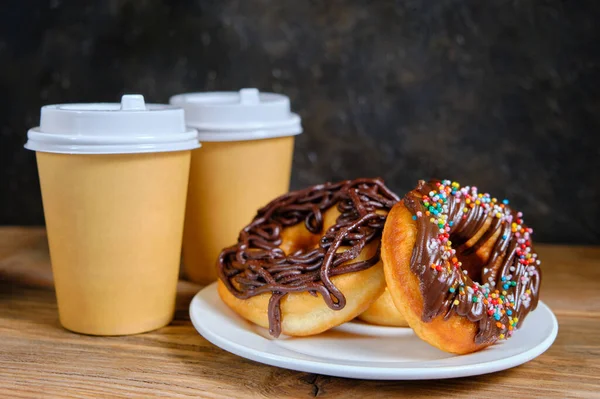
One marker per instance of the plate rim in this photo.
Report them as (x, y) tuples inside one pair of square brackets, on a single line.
[(337, 369)]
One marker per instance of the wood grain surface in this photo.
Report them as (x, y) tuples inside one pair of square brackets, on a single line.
[(38, 358)]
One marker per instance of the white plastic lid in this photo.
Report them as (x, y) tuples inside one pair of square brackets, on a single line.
[(236, 116), (112, 128)]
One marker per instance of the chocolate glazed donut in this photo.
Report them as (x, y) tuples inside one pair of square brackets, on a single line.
[(257, 264), (472, 261)]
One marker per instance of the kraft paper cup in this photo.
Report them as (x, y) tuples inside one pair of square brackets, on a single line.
[(114, 205), (245, 162), (114, 237), (229, 182)]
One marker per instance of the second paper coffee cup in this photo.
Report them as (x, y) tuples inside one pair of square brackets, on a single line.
[(114, 182), (246, 161)]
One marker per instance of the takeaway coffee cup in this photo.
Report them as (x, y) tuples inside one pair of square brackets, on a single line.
[(245, 162), (114, 182)]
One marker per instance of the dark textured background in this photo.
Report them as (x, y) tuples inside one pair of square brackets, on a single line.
[(499, 94)]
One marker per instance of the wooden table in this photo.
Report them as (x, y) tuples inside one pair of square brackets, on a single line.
[(38, 358)]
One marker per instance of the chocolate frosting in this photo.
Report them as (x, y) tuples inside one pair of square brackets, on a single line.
[(497, 290), (256, 264)]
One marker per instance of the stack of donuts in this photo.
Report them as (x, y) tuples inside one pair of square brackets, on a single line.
[(455, 265)]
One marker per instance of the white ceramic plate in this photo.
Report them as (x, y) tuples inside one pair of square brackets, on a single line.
[(359, 350)]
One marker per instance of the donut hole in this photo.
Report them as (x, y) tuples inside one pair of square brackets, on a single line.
[(297, 238), (475, 253), (471, 263)]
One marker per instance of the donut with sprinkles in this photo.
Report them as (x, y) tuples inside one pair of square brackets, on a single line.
[(459, 265)]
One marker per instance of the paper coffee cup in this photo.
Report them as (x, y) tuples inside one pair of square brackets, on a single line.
[(245, 162), (114, 184)]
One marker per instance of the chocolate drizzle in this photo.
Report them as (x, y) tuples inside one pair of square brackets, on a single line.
[(507, 277), (257, 264)]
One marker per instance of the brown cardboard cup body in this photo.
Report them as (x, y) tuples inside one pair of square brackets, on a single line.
[(115, 226), (229, 182)]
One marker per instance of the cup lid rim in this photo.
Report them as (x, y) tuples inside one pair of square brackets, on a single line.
[(69, 144)]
